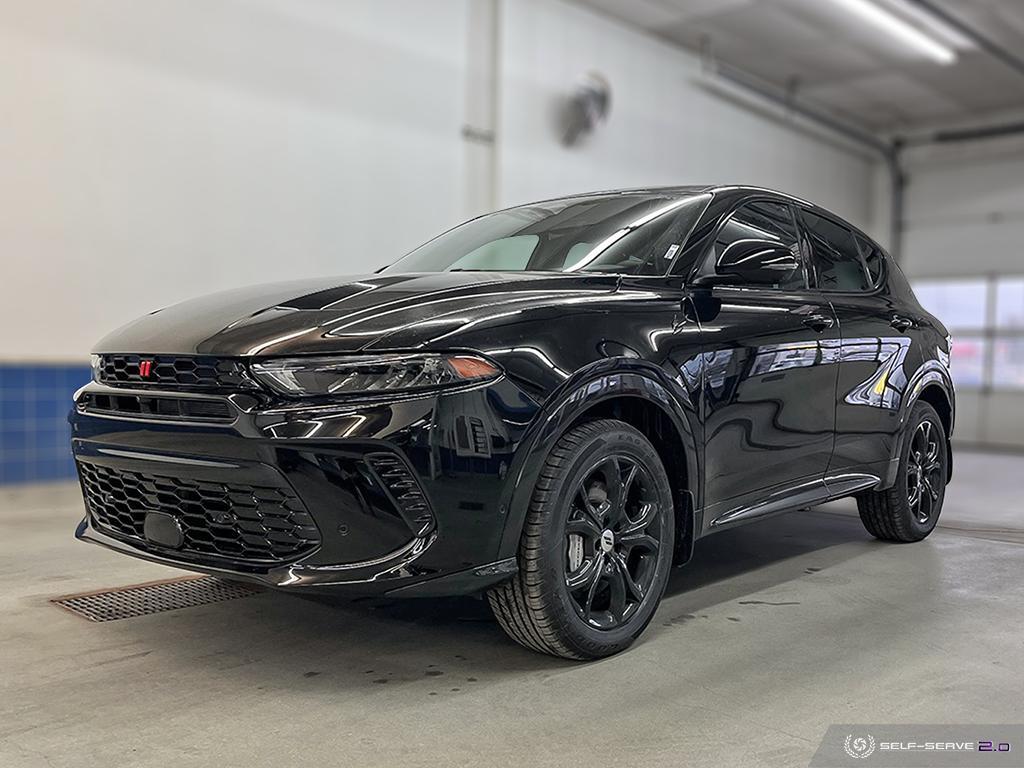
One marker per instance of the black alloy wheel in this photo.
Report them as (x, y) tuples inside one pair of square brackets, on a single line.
[(596, 548), (924, 472), (910, 509), (613, 541)]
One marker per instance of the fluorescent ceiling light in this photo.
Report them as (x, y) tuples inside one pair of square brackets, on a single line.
[(899, 29), (920, 17)]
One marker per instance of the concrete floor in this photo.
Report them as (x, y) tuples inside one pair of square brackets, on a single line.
[(772, 633)]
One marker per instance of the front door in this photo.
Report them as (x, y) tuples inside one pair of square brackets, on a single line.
[(770, 354)]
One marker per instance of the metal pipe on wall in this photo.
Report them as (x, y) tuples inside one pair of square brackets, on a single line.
[(897, 199), (482, 104), (890, 152), (976, 133), (764, 91)]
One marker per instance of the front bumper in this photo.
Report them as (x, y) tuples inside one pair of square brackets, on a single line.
[(394, 581), (429, 525)]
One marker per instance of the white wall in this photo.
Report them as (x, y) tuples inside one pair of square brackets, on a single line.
[(965, 218), (155, 150), (665, 128), (152, 151)]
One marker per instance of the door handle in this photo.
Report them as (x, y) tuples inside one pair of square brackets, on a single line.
[(819, 322), (901, 323)]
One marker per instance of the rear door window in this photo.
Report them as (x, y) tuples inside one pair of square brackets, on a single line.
[(835, 255)]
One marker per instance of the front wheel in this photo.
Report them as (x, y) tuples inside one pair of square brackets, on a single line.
[(910, 509), (596, 548)]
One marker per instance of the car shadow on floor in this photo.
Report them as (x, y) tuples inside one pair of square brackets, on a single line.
[(447, 646), (762, 557), (794, 537)]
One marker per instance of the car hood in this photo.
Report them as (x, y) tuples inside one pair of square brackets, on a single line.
[(396, 311)]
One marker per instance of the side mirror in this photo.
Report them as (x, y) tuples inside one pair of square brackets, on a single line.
[(755, 262)]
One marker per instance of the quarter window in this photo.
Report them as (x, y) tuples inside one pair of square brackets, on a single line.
[(873, 261), (836, 257)]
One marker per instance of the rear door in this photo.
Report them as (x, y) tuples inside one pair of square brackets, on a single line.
[(770, 375), (876, 341)]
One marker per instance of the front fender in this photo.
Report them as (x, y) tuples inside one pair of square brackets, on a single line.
[(602, 381)]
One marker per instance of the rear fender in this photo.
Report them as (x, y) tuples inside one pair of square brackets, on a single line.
[(931, 373)]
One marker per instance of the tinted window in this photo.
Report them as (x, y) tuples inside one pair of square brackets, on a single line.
[(760, 221), (873, 260), (646, 250), (507, 254), (628, 233), (836, 256)]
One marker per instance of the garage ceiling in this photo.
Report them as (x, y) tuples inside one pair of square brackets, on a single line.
[(840, 64)]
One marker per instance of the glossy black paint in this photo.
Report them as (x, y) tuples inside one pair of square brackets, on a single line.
[(759, 401)]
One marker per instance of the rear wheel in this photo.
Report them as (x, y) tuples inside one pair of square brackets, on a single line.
[(910, 509), (596, 548)]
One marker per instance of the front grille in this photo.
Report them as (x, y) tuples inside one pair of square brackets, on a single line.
[(173, 372), (241, 523), (145, 406)]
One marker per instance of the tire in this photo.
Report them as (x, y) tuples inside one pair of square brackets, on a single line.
[(910, 509), (581, 539)]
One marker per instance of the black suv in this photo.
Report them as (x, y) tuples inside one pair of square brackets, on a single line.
[(549, 404)]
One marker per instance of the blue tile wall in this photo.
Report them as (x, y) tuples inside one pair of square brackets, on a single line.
[(34, 434)]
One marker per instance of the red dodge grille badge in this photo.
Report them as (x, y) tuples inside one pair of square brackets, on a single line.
[(145, 368)]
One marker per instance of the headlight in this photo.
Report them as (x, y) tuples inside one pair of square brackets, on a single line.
[(373, 373), (95, 362)]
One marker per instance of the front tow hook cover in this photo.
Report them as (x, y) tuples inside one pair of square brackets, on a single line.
[(163, 529)]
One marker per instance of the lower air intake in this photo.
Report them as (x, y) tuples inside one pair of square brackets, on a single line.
[(219, 522)]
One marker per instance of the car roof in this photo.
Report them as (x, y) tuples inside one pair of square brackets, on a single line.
[(689, 189), (681, 190), (737, 190)]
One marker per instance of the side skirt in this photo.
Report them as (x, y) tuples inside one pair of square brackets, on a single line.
[(805, 494)]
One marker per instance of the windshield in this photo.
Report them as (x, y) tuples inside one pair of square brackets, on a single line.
[(626, 233)]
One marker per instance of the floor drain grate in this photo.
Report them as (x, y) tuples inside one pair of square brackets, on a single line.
[(153, 597)]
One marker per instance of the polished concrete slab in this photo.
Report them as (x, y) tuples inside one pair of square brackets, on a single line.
[(772, 633)]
